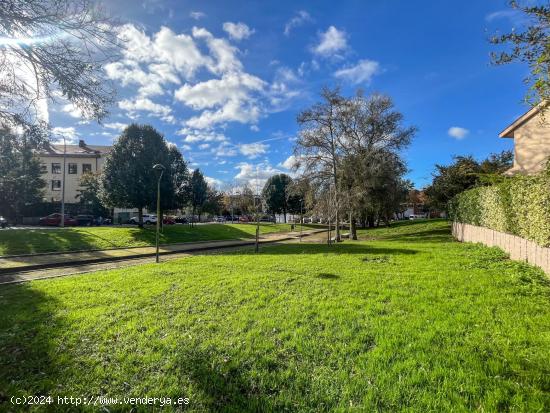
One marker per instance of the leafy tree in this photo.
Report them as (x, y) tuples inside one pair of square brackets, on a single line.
[(198, 191), (59, 47), (277, 194), (465, 173), (497, 163), (245, 201), (89, 195), (374, 136), (214, 202), (450, 180), (530, 46), (175, 181), (128, 179), (21, 180)]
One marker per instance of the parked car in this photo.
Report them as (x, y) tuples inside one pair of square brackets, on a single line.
[(267, 219), (219, 219), (3, 222), (147, 219), (181, 220), (244, 218), (168, 221), (55, 220), (86, 220)]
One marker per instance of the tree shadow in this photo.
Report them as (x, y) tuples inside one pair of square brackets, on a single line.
[(29, 343), (223, 385), (327, 276), (337, 249)]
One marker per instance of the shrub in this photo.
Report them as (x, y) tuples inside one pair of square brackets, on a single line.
[(519, 205)]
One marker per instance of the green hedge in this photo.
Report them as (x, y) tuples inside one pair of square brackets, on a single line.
[(519, 205)]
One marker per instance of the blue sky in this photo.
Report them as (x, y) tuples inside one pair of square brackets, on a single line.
[(225, 80)]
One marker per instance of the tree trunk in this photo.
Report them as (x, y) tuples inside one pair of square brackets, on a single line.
[(370, 221), (284, 214), (140, 217), (353, 234), (193, 217)]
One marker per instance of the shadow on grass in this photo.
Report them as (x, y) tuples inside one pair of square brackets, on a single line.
[(281, 248), (327, 276), (29, 341)]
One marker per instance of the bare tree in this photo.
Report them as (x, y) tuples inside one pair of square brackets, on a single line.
[(52, 49), (320, 143)]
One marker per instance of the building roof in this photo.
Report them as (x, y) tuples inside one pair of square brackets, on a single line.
[(509, 131), (82, 149)]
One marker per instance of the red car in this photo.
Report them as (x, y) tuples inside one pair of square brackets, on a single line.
[(168, 221), (55, 220)]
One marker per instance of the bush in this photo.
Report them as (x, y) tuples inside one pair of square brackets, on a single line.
[(519, 205)]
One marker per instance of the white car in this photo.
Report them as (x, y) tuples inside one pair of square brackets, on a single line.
[(147, 219)]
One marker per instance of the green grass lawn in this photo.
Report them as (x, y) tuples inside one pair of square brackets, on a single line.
[(28, 241), (407, 321)]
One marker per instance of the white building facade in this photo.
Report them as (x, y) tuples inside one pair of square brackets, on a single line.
[(78, 160)]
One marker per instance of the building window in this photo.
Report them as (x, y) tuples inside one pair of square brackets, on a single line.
[(56, 168), (43, 168), (86, 168), (72, 169), (56, 185)]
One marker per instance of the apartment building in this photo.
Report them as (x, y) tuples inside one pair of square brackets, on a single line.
[(79, 159)]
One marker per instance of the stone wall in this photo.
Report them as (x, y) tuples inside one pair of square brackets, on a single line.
[(519, 248)]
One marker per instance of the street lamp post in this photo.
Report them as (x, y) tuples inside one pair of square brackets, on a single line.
[(159, 169), (63, 182), (301, 217)]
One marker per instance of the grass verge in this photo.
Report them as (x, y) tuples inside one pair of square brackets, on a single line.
[(407, 321), (30, 241)]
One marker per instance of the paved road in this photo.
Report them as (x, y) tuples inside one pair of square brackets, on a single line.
[(59, 265)]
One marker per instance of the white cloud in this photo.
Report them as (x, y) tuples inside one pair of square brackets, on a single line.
[(69, 133), (194, 136), (283, 89), (289, 163), (147, 105), (72, 110), (224, 149), (197, 15), (331, 42), (513, 16), (237, 31), (362, 72), (457, 132), (299, 19), (119, 126), (213, 182), (229, 99), (253, 150), (255, 175), (217, 92)]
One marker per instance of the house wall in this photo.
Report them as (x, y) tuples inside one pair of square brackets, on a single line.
[(72, 181), (531, 145)]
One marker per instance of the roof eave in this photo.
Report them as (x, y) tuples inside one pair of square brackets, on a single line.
[(509, 131)]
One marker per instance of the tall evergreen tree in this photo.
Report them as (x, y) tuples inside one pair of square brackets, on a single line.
[(198, 191), (277, 194), (128, 179)]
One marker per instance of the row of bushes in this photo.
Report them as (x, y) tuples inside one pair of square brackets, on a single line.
[(519, 205)]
